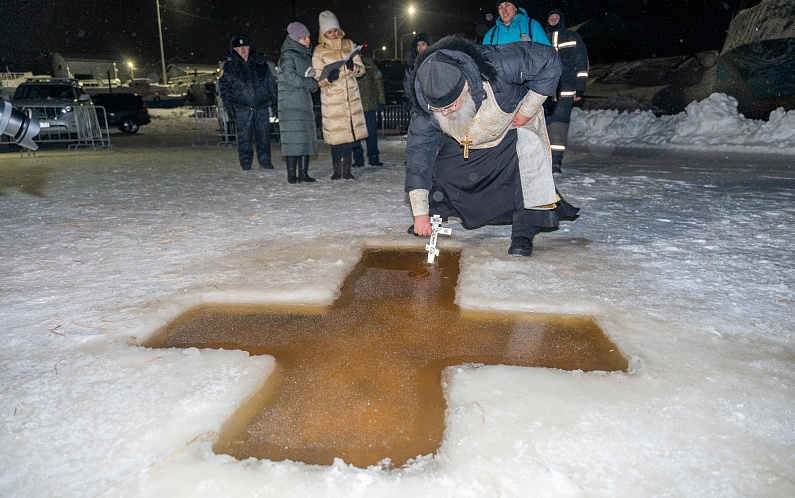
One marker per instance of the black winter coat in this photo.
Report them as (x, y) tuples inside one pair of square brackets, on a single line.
[(511, 69), (573, 55), (248, 83)]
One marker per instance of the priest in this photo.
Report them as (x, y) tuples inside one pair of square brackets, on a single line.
[(477, 146)]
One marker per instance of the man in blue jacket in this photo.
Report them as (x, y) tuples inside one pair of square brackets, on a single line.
[(514, 25), (249, 88), (477, 148)]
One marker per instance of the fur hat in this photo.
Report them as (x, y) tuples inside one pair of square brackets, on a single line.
[(441, 79), (427, 38), (328, 21), (240, 41), (296, 31)]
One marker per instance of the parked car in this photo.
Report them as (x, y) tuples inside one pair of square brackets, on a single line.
[(127, 111), (52, 102)]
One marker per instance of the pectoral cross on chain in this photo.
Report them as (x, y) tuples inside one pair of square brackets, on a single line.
[(466, 142)]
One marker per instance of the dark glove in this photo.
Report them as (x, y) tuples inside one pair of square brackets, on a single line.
[(349, 64), (333, 75), (380, 107)]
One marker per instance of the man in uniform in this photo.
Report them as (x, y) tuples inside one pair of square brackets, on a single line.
[(249, 88), (574, 58)]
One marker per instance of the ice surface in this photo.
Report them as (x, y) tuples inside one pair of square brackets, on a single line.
[(683, 254)]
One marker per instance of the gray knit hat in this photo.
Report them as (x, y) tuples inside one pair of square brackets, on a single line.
[(441, 79), (296, 31)]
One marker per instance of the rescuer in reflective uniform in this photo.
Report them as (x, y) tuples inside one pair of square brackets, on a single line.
[(571, 88)]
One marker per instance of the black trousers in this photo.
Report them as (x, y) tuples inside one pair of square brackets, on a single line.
[(371, 120), (253, 127), (558, 116), (341, 150)]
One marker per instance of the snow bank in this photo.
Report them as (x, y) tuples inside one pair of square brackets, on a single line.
[(712, 122)]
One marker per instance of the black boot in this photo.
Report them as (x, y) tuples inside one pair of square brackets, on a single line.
[(292, 163), (521, 246), (337, 162), (303, 170), (373, 160), (346, 168), (564, 210)]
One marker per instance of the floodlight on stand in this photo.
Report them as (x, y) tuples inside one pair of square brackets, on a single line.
[(18, 125)]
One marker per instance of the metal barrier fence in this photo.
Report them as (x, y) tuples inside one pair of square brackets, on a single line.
[(89, 131), (212, 123), (76, 125), (392, 120)]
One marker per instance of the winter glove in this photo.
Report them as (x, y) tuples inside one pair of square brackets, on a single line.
[(380, 107), (333, 75), (349, 64), (309, 73)]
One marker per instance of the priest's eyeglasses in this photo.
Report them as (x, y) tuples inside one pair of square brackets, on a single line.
[(444, 110)]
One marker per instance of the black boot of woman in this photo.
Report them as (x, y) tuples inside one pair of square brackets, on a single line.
[(303, 170), (292, 163)]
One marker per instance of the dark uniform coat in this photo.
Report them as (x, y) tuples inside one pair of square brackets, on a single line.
[(573, 78), (249, 88)]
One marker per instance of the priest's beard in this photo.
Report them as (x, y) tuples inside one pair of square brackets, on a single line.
[(457, 123)]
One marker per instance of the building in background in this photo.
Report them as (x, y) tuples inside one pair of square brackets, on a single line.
[(90, 72)]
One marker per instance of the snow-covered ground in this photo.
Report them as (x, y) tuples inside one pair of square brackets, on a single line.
[(683, 255)]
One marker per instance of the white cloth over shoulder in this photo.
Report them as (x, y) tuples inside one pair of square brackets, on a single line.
[(532, 145)]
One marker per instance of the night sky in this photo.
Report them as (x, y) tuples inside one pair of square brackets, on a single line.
[(198, 31)]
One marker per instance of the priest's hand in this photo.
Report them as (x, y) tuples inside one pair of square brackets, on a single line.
[(422, 225), (520, 120)]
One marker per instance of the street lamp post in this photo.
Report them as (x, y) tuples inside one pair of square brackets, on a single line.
[(162, 54), (132, 69), (394, 25)]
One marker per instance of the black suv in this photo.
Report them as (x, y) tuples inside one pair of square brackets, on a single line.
[(128, 111)]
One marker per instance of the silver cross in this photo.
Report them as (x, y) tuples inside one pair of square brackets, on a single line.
[(436, 229)]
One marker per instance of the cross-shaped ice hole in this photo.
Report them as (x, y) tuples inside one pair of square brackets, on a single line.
[(361, 379)]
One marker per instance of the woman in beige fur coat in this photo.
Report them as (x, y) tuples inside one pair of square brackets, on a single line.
[(341, 105)]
